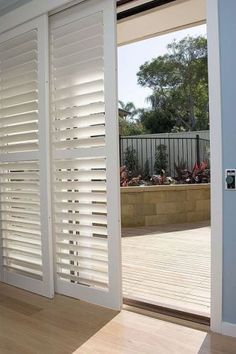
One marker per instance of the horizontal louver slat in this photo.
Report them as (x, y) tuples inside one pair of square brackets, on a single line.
[(72, 59), (76, 36), (19, 119), (88, 255), (79, 143), (82, 218), (19, 99), (23, 235), (80, 122), (20, 79), (81, 164), (80, 133), (18, 128), (71, 48), (83, 265), (23, 262), (18, 49), (91, 185), (75, 90), (85, 76), (79, 100), (20, 64), (20, 108), (19, 69), (30, 273), (83, 208), (67, 226), (18, 41), (83, 175), (95, 66), (83, 23), (81, 196), (94, 281), (19, 89)]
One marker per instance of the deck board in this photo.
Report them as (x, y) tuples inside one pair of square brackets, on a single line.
[(168, 266)]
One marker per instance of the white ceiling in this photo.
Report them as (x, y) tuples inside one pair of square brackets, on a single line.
[(9, 5)]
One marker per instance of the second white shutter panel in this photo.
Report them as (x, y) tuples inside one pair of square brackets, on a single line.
[(85, 153)]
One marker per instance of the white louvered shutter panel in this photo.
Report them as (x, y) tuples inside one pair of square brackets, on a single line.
[(85, 153), (24, 222)]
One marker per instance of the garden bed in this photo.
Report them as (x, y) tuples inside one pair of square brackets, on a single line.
[(160, 205)]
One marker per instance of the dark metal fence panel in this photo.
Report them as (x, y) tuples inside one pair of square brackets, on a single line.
[(183, 151)]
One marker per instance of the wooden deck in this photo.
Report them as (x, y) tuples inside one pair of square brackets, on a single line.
[(168, 266)]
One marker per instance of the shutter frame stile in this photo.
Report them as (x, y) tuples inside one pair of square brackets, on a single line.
[(25, 214), (112, 155), (44, 158), (85, 164)]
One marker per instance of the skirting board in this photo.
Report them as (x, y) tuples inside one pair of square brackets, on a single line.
[(229, 329)]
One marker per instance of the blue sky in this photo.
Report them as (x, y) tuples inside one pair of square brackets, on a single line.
[(132, 56)]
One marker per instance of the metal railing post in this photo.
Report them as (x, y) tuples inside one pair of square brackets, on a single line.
[(198, 149), (120, 154)]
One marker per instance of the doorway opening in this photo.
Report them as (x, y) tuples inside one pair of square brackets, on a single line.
[(165, 173)]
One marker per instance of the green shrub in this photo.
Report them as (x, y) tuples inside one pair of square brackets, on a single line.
[(146, 172), (131, 160), (161, 159)]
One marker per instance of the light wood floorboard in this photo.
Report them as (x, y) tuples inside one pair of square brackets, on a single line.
[(31, 324), (168, 266), (131, 333)]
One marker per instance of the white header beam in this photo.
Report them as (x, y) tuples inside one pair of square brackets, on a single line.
[(167, 18)]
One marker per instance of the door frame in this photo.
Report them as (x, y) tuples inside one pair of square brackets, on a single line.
[(216, 165)]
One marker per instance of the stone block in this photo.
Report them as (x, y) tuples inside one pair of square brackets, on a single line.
[(154, 197), (198, 216), (153, 220), (175, 196), (144, 209), (195, 194), (168, 208), (203, 205), (178, 218), (190, 205), (131, 198), (127, 210)]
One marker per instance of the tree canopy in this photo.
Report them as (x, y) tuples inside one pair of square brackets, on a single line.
[(128, 123), (179, 84)]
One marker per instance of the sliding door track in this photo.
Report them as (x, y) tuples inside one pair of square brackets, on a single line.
[(204, 320)]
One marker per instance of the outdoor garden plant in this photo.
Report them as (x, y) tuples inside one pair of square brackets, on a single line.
[(199, 174)]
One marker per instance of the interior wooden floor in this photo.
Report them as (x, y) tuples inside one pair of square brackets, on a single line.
[(168, 266), (131, 333), (31, 324)]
